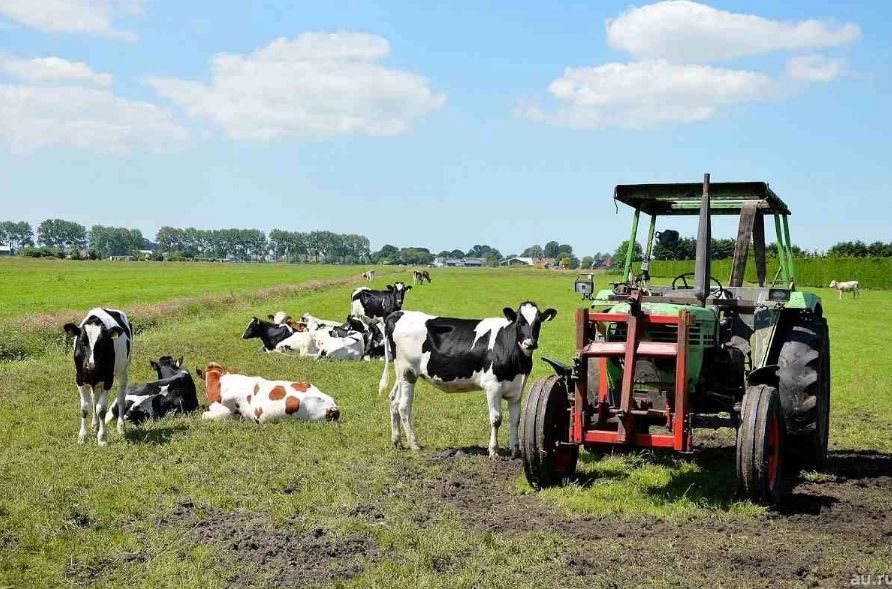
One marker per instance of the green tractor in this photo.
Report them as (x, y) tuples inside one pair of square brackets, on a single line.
[(654, 363)]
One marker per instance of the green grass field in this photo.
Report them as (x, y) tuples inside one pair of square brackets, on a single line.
[(186, 503)]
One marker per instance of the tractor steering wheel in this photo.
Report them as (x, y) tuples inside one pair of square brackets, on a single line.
[(719, 292)]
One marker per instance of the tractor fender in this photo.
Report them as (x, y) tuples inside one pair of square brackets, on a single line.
[(763, 375)]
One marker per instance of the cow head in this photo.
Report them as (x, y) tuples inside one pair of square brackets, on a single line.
[(528, 321), (166, 366), (93, 344), (212, 375), (833, 284), (253, 329), (399, 291)]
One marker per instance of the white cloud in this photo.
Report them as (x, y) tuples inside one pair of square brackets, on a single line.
[(648, 93), (93, 17), (317, 85), (32, 117), (813, 68), (51, 69), (684, 31)]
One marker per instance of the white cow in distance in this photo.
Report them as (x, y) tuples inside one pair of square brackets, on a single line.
[(850, 286)]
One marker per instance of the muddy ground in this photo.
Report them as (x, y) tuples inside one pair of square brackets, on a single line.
[(810, 541)]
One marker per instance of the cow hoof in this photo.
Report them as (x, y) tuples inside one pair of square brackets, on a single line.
[(102, 442), (121, 428), (493, 453), (515, 454), (415, 448), (81, 439)]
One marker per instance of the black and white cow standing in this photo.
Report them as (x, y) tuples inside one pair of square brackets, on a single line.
[(420, 276), (373, 306), (102, 345), (173, 392), (494, 354)]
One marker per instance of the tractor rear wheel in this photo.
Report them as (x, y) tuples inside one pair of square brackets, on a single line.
[(804, 385), (760, 445), (548, 459)]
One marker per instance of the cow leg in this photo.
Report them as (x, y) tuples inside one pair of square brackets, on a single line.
[(513, 425), (395, 414), (121, 401), (100, 417), (405, 396), (494, 401), (86, 392)]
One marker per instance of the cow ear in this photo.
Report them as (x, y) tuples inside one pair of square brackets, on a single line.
[(408, 287), (72, 329), (180, 362), (154, 365), (510, 315), (270, 316), (199, 372), (390, 287), (115, 332), (548, 314)]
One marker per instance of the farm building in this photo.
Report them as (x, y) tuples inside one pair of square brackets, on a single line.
[(442, 262), (5, 250), (518, 261)]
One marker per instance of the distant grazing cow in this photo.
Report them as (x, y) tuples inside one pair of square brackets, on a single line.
[(369, 274), (280, 338), (419, 277), (850, 286), (102, 345), (493, 354), (260, 400), (173, 392), (374, 305)]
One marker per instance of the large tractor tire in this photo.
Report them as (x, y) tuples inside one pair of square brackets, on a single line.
[(545, 428), (760, 445), (804, 386)]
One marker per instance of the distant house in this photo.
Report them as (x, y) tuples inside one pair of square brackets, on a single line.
[(5, 250), (518, 261), (443, 262)]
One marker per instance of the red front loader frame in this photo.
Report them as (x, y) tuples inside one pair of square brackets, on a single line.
[(589, 344)]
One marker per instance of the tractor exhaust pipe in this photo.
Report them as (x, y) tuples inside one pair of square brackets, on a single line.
[(703, 268)]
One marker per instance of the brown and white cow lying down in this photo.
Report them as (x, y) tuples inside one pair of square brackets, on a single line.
[(849, 286), (231, 395)]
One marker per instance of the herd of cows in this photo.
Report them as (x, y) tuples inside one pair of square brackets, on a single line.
[(493, 355)]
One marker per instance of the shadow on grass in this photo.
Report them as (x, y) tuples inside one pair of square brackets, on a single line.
[(156, 436)]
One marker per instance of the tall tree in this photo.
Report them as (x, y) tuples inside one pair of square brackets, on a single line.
[(16, 234), (60, 233), (534, 251), (552, 249)]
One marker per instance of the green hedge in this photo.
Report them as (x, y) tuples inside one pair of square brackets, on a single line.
[(816, 272)]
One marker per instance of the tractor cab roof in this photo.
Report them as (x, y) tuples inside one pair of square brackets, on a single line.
[(726, 198)]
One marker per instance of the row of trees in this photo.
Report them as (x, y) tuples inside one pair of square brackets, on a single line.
[(859, 249), (101, 241)]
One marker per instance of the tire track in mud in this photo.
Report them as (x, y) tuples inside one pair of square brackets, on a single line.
[(818, 538)]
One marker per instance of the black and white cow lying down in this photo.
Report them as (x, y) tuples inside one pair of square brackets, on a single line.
[(493, 355), (102, 343), (173, 392), (375, 305)]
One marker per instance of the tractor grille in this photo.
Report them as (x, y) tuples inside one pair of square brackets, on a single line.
[(617, 332)]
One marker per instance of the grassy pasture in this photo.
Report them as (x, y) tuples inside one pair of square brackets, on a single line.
[(181, 502)]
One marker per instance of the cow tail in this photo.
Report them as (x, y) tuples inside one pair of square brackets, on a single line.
[(385, 376)]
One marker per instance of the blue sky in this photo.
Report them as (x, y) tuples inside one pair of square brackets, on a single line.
[(440, 126)]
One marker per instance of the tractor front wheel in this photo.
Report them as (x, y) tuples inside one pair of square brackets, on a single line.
[(760, 445), (548, 458)]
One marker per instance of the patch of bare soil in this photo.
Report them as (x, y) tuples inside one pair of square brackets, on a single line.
[(290, 555), (820, 537)]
